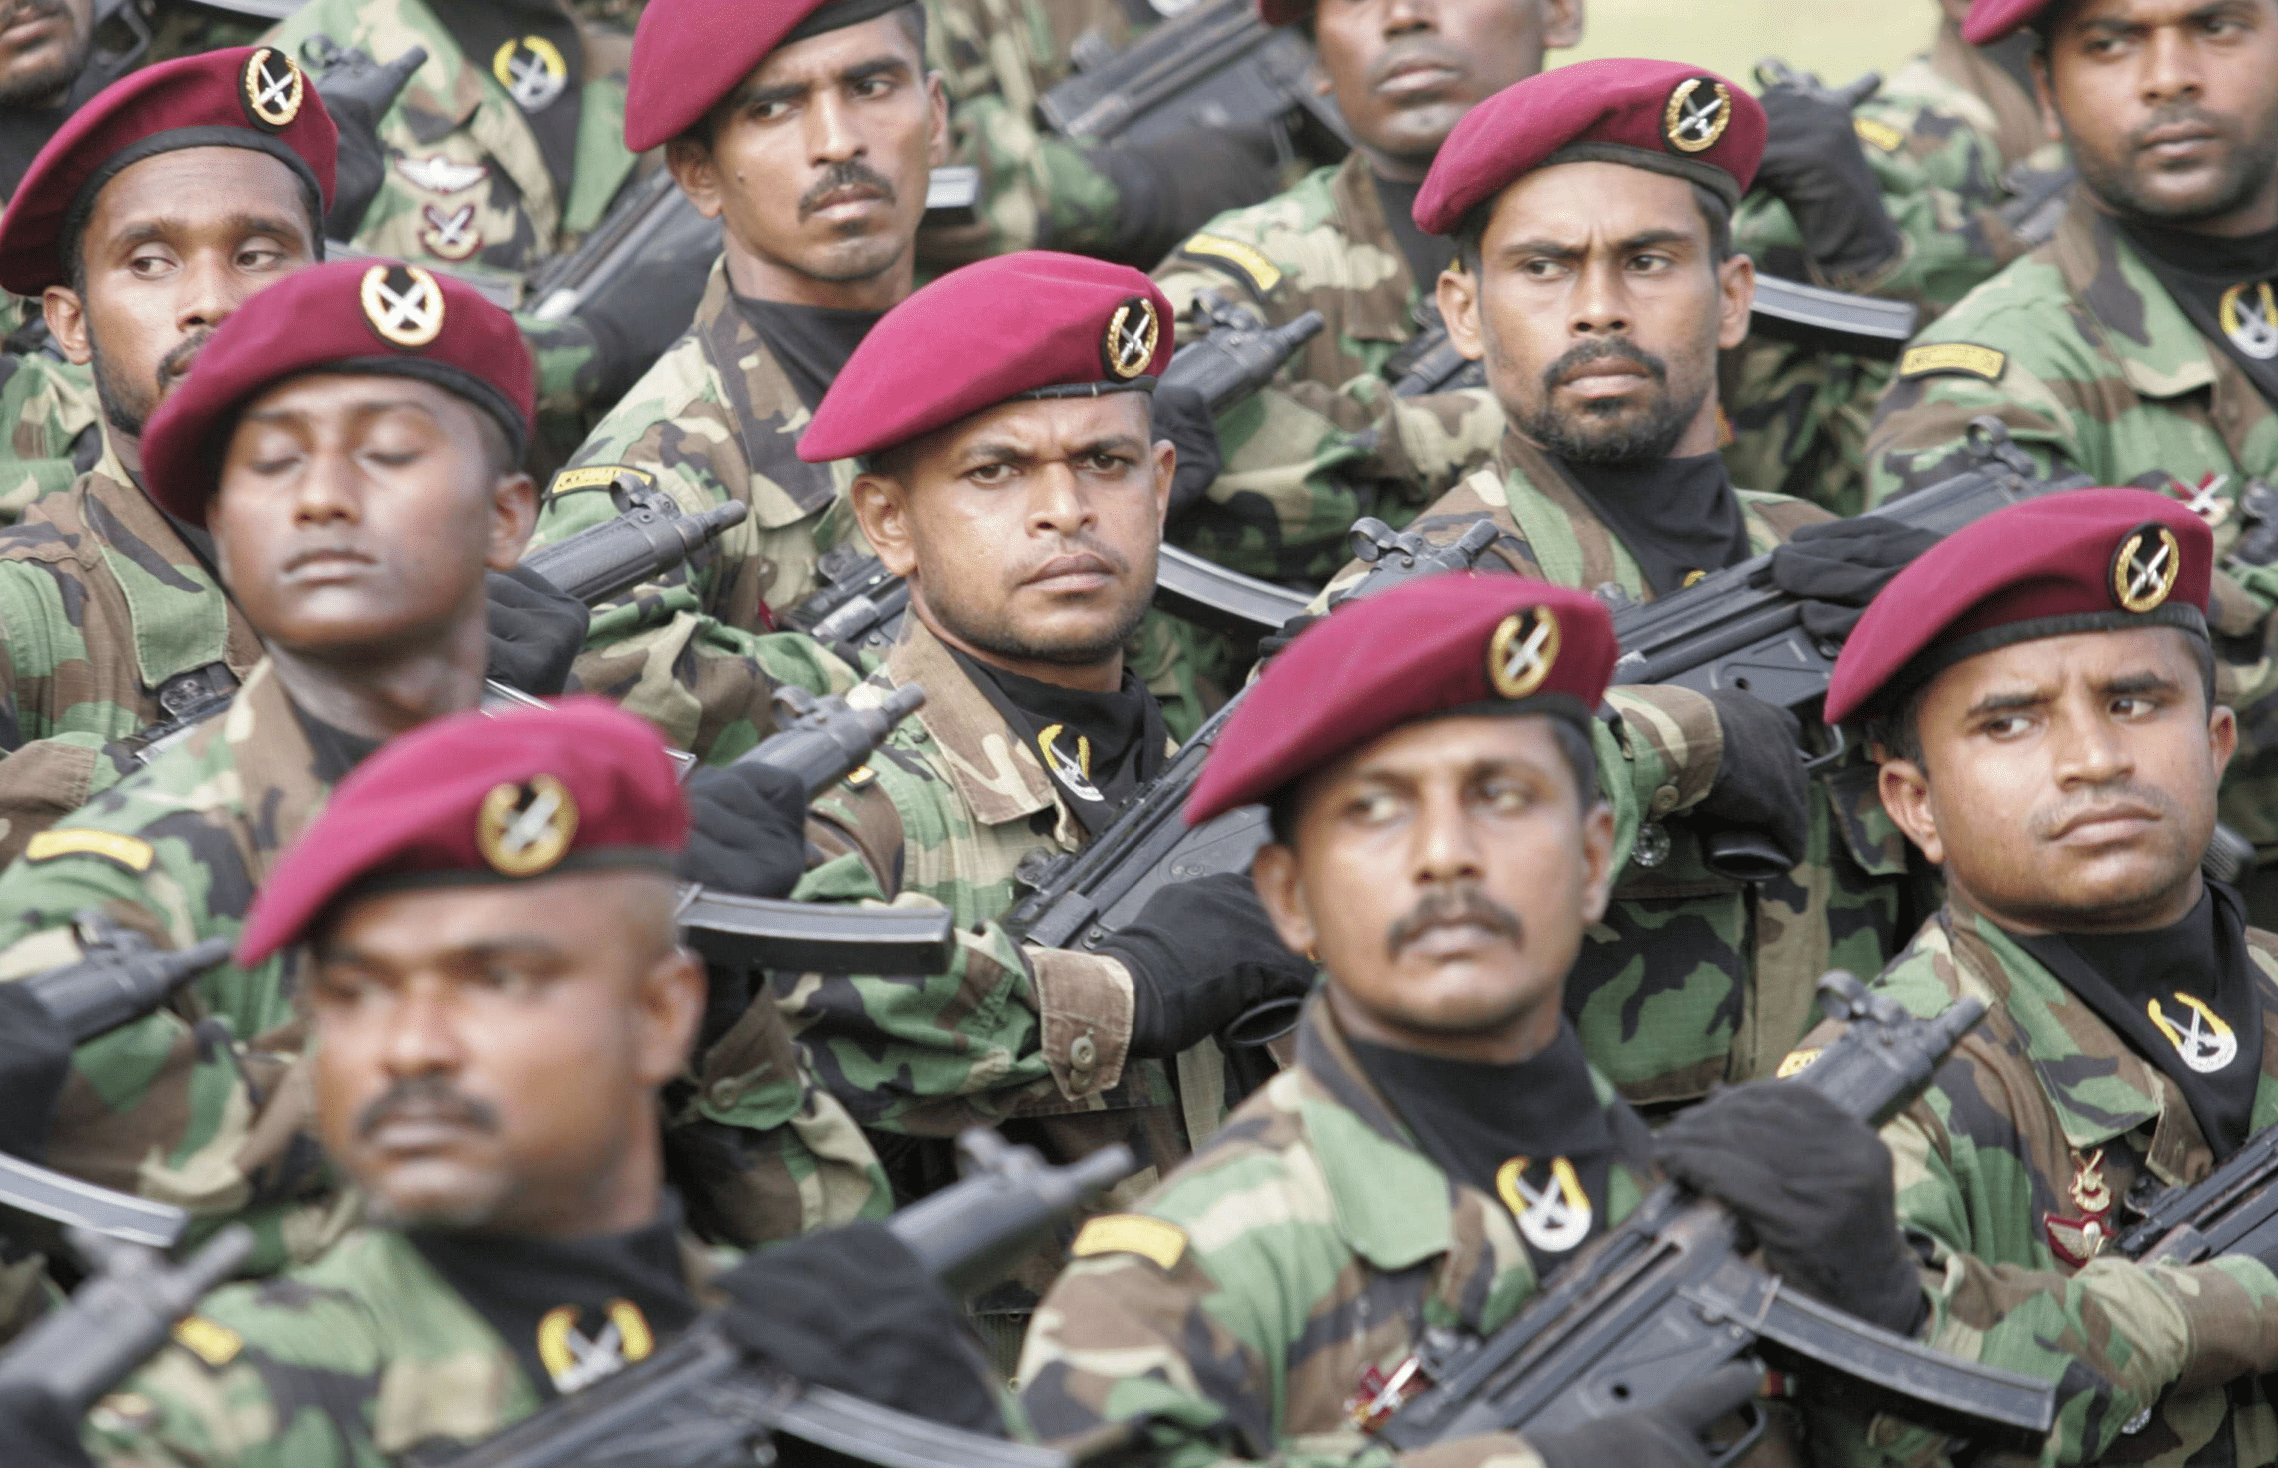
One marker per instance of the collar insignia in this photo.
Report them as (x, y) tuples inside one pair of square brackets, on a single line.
[(576, 1360), (532, 70), (1522, 652), (451, 236), (2203, 1040), (272, 89), (1553, 1219), (2249, 313), (403, 304), (1073, 773), (526, 828), (2145, 568), (1129, 343), (440, 175), (1699, 111), (1382, 1393)]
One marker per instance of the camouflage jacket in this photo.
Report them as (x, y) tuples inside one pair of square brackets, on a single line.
[(205, 1103), (2094, 367), (402, 1358), (102, 605), (1691, 978), (2033, 1129), (1289, 1267), (56, 428), (1326, 442)]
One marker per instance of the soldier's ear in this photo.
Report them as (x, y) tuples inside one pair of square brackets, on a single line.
[(1458, 294), (881, 508), (1598, 856), (1736, 289), (66, 318), (670, 1003), (1274, 872), (1905, 789), (513, 518), (697, 174), (2222, 736), (937, 124), (1561, 24), (2052, 128)]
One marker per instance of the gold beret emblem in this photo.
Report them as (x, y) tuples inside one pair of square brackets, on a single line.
[(272, 88), (1130, 341), (404, 304), (525, 827), (2145, 568), (1522, 652), (1699, 111)]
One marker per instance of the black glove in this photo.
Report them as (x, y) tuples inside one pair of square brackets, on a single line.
[(747, 830), (1837, 566), (1813, 163), (1273, 642), (636, 313), (1171, 187), (1664, 1435), (536, 632), (35, 1060), (1761, 786), (39, 1432), (851, 1308), (1184, 418), (357, 92), (1200, 954), (1812, 1185)]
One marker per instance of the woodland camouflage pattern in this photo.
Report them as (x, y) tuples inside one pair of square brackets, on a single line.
[(1691, 978), (1318, 1243), (1993, 1154), (56, 428), (364, 1354)]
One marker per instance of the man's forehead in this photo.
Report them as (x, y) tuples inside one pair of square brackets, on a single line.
[(1448, 746), (1049, 424), (2051, 663), (194, 185), (563, 911), (339, 394), (1593, 200), (2072, 14), (826, 55)]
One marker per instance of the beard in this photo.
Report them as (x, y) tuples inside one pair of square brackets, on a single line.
[(127, 405), (1604, 431), (2247, 168), (990, 630), (31, 88)]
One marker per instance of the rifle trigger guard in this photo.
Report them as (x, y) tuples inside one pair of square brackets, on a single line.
[(1819, 764), (1759, 1421)]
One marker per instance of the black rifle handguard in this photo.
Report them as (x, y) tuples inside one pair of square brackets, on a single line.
[(120, 977), (648, 539)]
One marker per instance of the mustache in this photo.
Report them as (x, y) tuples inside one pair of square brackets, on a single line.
[(1464, 902), (1081, 545), (1599, 350), (23, 10), (845, 175), (177, 362), (425, 1095), (2047, 823), (1418, 49), (2197, 116)]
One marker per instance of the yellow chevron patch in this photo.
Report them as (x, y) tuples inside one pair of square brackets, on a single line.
[(131, 852), (1977, 361), (216, 1345), (1131, 1233), (1263, 273), (1878, 134), (595, 476), (1794, 1061)]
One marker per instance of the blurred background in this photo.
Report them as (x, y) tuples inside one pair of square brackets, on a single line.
[(1838, 39)]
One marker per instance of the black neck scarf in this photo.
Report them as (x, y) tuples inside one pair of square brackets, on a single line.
[(1427, 254), (1678, 518), (573, 1310), (1475, 1119), (2228, 287), (1099, 748), (337, 751), (811, 342), (532, 49), (2184, 997)]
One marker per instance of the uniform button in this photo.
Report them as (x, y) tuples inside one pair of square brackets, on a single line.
[(1664, 800), (725, 1092), (1083, 1054)]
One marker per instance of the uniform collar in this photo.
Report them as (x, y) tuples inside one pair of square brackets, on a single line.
[(182, 618), (280, 789), (2160, 352), (995, 773), (765, 409), (1382, 311)]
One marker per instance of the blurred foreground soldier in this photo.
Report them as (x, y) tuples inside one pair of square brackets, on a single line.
[(1441, 1147), (1595, 276), (495, 998), (2040, 688)]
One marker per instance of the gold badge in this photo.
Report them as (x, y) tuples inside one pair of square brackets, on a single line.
[(449, 235), (532, 70), (272, 89), (2145, 568), (1795, 1062), (1131, 1233), (1130, 341), (1522, 652), (1074, 773), (2090, 1193), (1553, 1219), (404, 304), (1966, 357), (523, 829), (2249, 314), (2203, 1040), (576, 1360), (1694, 118)]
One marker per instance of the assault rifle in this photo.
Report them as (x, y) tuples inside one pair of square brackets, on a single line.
[(1667, 1298), (2232, 1210), (701, 1403)]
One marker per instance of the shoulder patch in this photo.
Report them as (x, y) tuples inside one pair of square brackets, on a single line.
[(131, 852), (1131, 1233), (1977, 361), (595, 476), (1878, 134), (1263, 274), (216, 1345)]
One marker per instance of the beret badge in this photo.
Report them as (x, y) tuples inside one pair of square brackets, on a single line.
[(1698, 112), (2146, 567), (1522, 651), (525, 827), (403, 304), (272, 88), (1129, 343)]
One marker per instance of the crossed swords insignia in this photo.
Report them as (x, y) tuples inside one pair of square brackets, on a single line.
[(451, 235), (1697, 113), (532, 76), (1131, 337), (576, 1360), (2145, 571), (409, 313), (525, 828), (1131, 348), (1554, 1217), (272, 88), (2250, 319), (1522, 652), (1694, 122), (2205, 1042)]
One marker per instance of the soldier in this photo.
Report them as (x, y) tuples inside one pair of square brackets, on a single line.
[(1595, 277), (349, 442), (2136, 346), (1441, 1147), (496, 1000), (2040, 687)]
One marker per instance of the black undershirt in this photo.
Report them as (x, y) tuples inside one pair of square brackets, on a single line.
[(1679, 518), (2203, 957), (2198, 270), (1103, 746), (1427, 254), (514, 1283), (812, 342), (337, 751), (481, 27), (1471, 1117)]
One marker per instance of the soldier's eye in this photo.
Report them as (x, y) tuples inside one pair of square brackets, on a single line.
[(1373, 808), (1506, 796), (1540, 269)]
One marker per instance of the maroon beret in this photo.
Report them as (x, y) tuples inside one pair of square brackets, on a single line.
[(242, 97), (344, 316), (1284, 12), (2087, 560), (1447, 644), (1991, 20), (481, 797), (1031, 325), (689, 54), (1660, 115)]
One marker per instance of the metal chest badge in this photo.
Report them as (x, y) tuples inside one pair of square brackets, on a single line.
[(532, 70), (1554, 1218), (2249, 314), (2200, 1036), (1382, 1393), (2081, 1237)]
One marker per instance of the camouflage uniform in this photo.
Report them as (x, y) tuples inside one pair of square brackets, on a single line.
[(402, 1357), (206, 1104), (56, 428), (1298, 1257), (1691, 978), (2033, 1128)]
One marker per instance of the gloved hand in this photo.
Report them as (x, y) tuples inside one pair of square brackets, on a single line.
[(1761, 786), (1814, 164), (357, 92), (1273, 642), (1184, 418), (1664, 1435), (1169, 188), (1837, 566), (747, 830), (536, 632), (850, 1308), (1812, 1186), (35, 1060), (1200, 953)]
